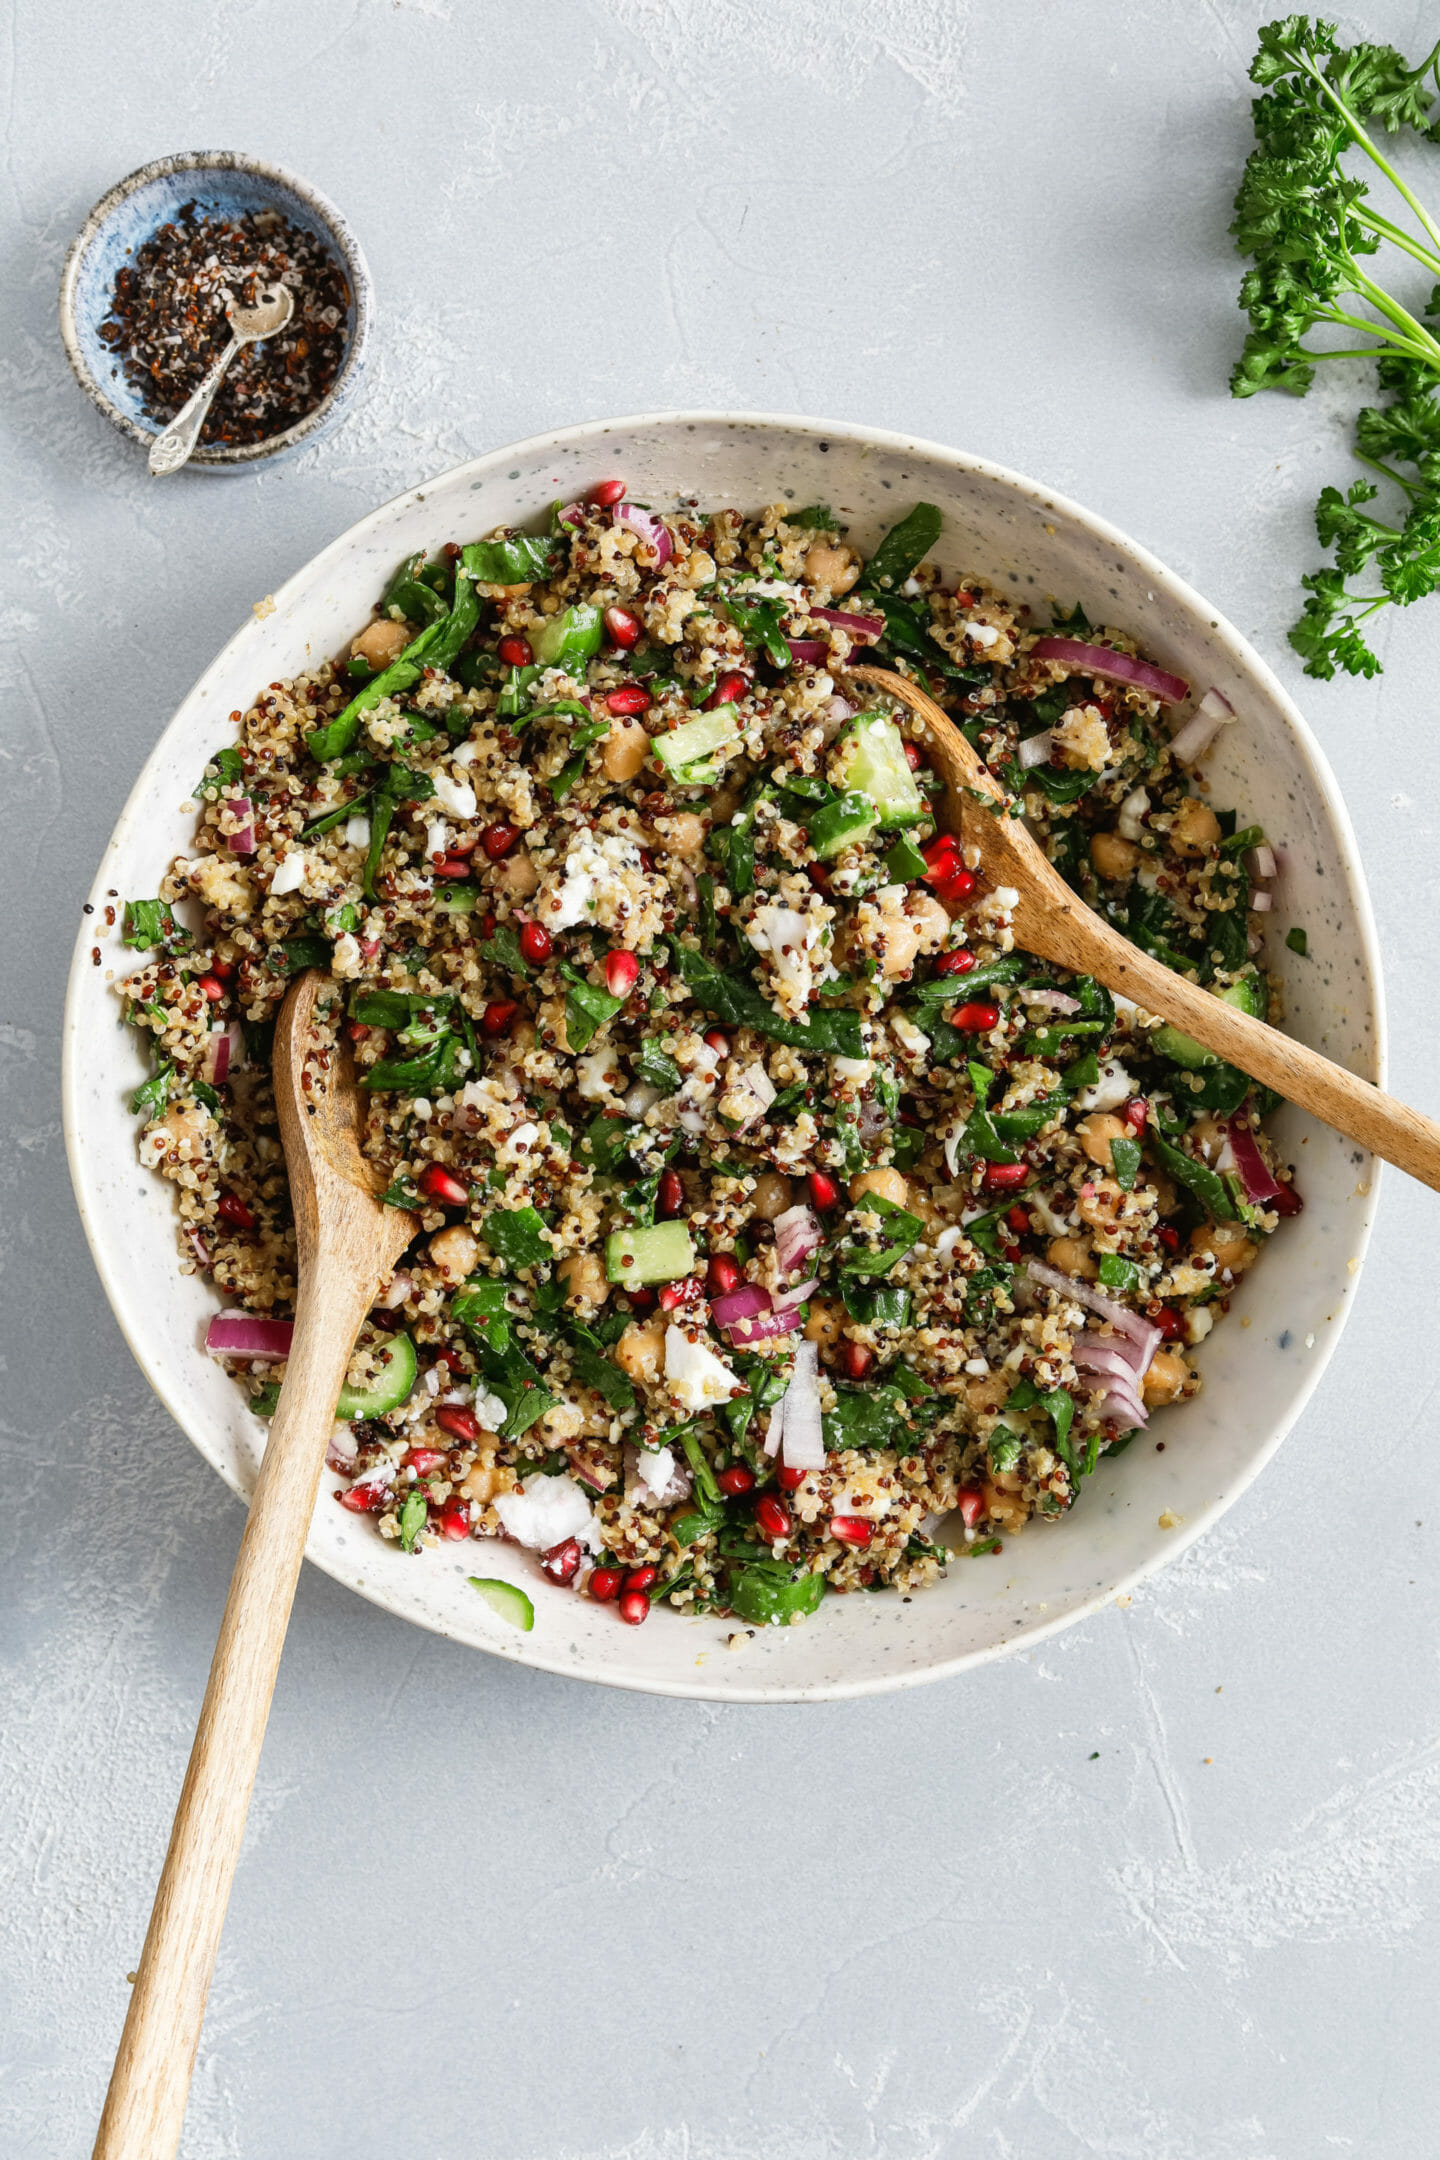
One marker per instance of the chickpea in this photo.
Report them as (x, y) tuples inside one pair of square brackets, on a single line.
[(517, 875), (1113, 857), (1102, 1204), (930, 920), (922, 927), (1095, 1134), (485, 1478), (641, 1349), (1072, 1256), (826, 1324), (985, 1393), (583, 1275), (684, 835), (625, 748), (920, 1203), (887, 1183), (1006, 1512), (1231, 1249), (1167, 1376), (566, 1421), (1194, 827), (1163, 1187), (455, 1252), (383, 642), (699, 570), (772, 1195), (831, 564)]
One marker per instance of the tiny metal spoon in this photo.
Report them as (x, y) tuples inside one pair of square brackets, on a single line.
[(1052, 923), (347, 1244), (173, 446)]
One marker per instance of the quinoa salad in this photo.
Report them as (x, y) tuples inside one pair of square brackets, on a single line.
[(780, 1227)]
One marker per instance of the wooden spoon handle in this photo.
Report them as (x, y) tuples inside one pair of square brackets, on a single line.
[(149, 2085), (1338, 1098)]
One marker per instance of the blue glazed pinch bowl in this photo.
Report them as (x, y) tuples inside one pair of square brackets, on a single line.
[(219, 181)]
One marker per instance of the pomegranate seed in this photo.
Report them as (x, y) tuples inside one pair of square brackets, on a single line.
[(818, 875), (536, 943), (460, 1423), (498, 1016), (1169, 1322), (450, 1358), (606, 493), (670, 1197), (640, 1578), (958, 962), (855, 1360), (718, 1041), (1169, 1237), (515, 651), (487, 925), (438, 1183), (912, 759), (634, 1608), (624, 628), (622, 970), (824, 1192), (498, 840), (1002, 1177), (1135, 1113), (562, 1562), (364, 1499), (1285, 1202), (629, 698), (423, 1459), (642, 1298), (232, 1209), (971, 1503), (454, 1520), (732, 685), (211, 987), (604, 1583), (223, 968), (942, 849), (790, 1480), (957, 886), (356, 1030), (738, 1479), (772, 1517), (963, 598), (1018, 1219), (978, 1019), (455, 866), (722, 1275), (851, 1529), (675, 1294)]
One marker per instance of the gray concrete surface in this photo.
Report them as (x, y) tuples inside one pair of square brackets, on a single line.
[(1167, 1888)]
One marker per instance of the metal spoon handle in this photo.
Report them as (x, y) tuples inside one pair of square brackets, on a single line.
[(173, 446)]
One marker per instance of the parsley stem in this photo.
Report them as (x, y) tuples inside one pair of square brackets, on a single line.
[(1377, 465), (1397, 233), (1304, 60)]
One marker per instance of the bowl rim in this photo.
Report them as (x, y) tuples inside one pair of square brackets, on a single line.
[(527, 1651), (223, 458)]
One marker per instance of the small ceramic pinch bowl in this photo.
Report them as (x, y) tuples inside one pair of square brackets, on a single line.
[(228, 183), (1141, 1508)]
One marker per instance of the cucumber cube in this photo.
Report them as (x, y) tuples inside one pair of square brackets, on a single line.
[(661, 1254), (697, 739)]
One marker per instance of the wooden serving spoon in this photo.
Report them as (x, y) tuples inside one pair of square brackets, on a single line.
[(1051, 923), (347, 1243)]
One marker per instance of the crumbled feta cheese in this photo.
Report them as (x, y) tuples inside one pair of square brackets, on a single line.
[(290, 875), (345, 959), (698, 1378), (1112, 1088), (789, 938), (595, 1074), (857, 1069), (437, 838), (592, 874), (1134, 807), (544, 1511), (456, 796), (357, 831)]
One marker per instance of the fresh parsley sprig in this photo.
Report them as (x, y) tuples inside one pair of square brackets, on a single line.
[(1311, 227)]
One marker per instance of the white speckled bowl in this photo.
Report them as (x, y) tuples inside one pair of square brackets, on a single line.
[(1259, 1367)]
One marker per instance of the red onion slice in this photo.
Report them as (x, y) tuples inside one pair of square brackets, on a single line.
[(247, 1335), (1094, 1354), (1260, 903), (1146, 1338), (741, 1304), (785, 1298), (1194, 737), (868, 627), (808, 652), (1118, 1407), (1256, 1177), (1054, 1000), (1110, 666), (652, 534), (761, 1327), (242, 841), (1262, 862), (797, 1235), (200, 1249), (343, 1449), (802, 1444), (1036, 749)]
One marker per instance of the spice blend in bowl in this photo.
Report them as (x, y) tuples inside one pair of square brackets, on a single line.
[(168, 320)]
